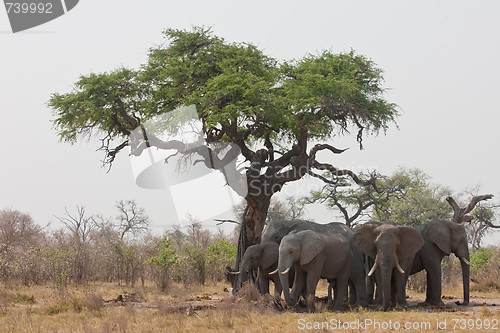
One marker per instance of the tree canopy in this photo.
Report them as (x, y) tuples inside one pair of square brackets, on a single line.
[(241, 94)]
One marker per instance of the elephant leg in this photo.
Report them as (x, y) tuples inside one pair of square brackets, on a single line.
[(400, 290), (357, 295), (312, 282), (277, 285), (342, 283), (331, 285), (263, 283), (353, 294), (433, 293)]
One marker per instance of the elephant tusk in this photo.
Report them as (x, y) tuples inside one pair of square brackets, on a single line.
[(399, 268), (467, 262), (235, 273), (373, 269), (285, 271), (274, 272)]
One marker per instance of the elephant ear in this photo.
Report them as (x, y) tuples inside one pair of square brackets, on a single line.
[(364, 238), (440, 234), (410, 242), (312, 244), (269, 255)]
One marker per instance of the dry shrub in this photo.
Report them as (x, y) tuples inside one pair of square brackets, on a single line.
[(94, 302), (58, 307), (418, 281), (487, 285), (4, 301), (248, 298), (116, 324)]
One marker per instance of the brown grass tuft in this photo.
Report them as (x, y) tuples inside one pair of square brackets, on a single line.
[(487, 285)]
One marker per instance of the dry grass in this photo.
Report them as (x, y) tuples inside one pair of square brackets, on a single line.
[(94, 309)]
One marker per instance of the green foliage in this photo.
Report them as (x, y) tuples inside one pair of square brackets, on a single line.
[(166, 254), (95, 103), (480, 258), (415, 199), (221, 250), (330, 91)]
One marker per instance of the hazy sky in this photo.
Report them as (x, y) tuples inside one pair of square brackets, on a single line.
[(440, 60)]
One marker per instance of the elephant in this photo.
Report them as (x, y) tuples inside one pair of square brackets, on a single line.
[(442, 237), (394, 248), (315, 256), (264, 257), (275, 230)]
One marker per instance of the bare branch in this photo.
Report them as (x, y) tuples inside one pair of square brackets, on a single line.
[(459, 214), (226, 221)]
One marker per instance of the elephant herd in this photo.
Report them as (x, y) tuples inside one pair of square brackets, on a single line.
[(296, 254)]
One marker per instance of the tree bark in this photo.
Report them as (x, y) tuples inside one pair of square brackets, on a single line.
[(253, 222)]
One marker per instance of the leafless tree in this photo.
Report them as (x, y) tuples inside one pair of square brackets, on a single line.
[(481, 219), (80, 225), (132, 218)]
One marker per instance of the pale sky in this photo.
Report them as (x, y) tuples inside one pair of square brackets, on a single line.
[(440, 60)]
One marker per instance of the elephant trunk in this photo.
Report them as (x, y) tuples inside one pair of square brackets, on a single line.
[(283, 271), (386, 275), (466, 279), (243, 277), (286, 289)]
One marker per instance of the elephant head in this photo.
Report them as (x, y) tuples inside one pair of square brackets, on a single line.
[(275, 230), (393, 248), (450, 237), (263, 256), (297, 247)]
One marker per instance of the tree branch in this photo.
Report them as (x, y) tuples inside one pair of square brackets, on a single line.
[(226, 221), (459, 214)]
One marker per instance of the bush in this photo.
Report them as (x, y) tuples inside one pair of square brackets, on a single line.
[(480, 259)]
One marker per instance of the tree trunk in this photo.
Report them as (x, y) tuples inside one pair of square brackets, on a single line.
[(251, 229)]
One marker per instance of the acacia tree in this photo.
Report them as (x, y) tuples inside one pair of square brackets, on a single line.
[(271, 111)]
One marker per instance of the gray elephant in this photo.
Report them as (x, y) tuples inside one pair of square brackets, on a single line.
[(442, 237), (275, 231), (263, 257), (315, 256), (394, 248)]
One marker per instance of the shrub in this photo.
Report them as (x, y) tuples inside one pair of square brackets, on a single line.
[(480, 258)]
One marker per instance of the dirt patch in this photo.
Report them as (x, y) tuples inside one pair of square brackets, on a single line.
[(210, 302)]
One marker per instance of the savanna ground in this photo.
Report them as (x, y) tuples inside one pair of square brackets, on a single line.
[(211, 308)]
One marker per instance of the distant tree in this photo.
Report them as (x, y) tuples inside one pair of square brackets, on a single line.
[(20, 239), (17, 229), (482, 218), (221, 253), (132, 219), (269, 110), (414, 199), (353, 201), (405, 197), (162, 262), (80, 226)]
